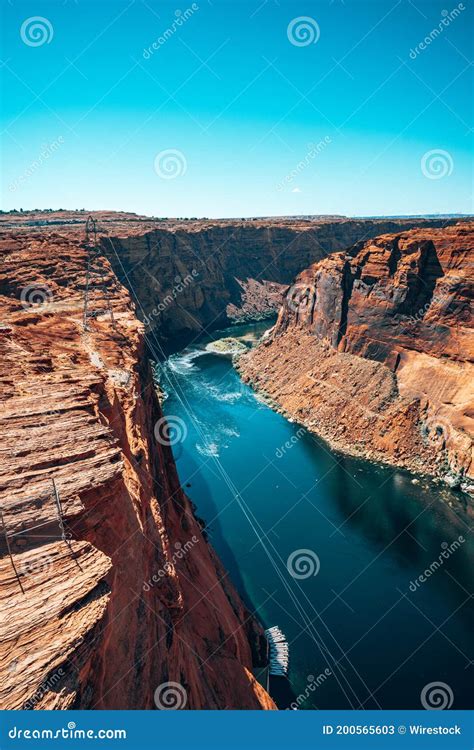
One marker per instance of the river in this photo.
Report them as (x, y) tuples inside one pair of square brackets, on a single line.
[(328, 547)]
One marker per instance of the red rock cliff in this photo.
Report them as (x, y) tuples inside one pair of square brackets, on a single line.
[(373, 349), (134, 597), (200, 275), (187, 277)]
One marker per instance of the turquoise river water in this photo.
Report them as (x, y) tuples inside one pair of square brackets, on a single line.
[(327, 547)]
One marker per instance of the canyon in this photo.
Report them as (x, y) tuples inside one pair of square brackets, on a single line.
[(373, 350), (114, 590), (207, 274)]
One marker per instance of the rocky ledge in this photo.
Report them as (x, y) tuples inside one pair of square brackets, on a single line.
[(373, 350), (111, 596), (187, 277)]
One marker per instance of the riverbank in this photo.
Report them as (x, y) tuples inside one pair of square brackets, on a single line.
[(372, 350), (137, 601), (348, 428), (267, 488)]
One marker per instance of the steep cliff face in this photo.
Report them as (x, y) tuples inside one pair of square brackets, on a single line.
[(202, 275), (132, 597), (111, 591), (373, 349), (186, 277)]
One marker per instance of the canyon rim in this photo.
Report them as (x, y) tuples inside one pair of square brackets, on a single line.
[(82, 425)]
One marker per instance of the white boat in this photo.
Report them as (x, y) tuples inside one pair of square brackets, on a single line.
[(278, 651)]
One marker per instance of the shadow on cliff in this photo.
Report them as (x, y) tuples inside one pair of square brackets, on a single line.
[(208, 509)]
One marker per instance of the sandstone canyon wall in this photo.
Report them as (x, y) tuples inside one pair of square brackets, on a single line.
[(373, 350), (195, 276), (83, 623), (134, 596)]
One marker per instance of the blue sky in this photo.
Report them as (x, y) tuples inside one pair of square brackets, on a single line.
[(87, 114)]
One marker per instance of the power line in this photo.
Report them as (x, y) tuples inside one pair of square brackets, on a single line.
[(11, 535), (309, 624), (96, 277)]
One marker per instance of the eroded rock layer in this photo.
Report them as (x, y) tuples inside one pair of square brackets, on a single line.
[(193, 277), (186, 277), (109, 589), (373, 350)]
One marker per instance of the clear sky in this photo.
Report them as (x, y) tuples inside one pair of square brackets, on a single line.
[(342, 113)]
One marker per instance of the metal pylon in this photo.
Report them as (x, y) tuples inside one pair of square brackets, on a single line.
[(96, 277)]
